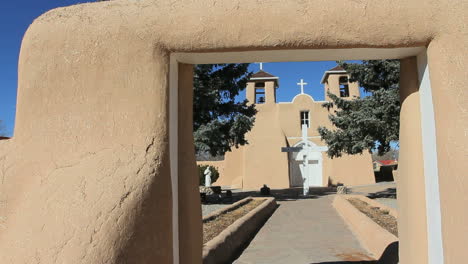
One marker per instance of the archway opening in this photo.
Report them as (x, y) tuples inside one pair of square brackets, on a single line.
[(413, 66)]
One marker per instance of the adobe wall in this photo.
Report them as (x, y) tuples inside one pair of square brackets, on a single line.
[(447, 65), (350, 170), (89, 161), (85, 175), (264, 162), (288, 116), (234, 168)]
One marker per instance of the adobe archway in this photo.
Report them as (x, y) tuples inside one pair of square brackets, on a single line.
[(91, 162)]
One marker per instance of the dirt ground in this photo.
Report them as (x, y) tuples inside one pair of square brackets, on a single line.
[(381, 217), (214, 227)]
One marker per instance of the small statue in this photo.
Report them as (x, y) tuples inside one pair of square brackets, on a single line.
[(265, 190), (207, 173)]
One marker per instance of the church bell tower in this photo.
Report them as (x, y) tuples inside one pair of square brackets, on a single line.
[(261, 88), (336, 81)]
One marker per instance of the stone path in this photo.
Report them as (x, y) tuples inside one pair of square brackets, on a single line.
[(304, 231), (383, 192)]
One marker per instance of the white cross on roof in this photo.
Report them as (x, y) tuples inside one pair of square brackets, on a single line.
[(261, 65), (302, 83)]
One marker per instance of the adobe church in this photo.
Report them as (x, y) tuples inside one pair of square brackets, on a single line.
[(285, 138)]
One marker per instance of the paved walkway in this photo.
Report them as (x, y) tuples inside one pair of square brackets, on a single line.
[(304, 231), (381, 189), (383, 192)]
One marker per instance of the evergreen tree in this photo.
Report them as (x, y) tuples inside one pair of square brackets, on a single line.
[(219, 122), (391, 155), (369, 123)]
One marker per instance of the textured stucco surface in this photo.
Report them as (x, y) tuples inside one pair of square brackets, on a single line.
[(86, 177)]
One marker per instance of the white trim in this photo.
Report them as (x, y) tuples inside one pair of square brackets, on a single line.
[(297, 55), (340, 71), (174, 151), (325, 74), (431, 170), (264, 78)]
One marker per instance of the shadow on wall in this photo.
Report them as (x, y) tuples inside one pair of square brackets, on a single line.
[(389, 256)]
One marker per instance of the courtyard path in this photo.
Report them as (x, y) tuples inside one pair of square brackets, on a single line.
[(304, 231)]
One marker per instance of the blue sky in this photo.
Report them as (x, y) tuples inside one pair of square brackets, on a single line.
[(290, 73), (16, 16)]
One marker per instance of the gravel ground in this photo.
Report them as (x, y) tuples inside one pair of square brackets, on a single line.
[(214, 227), (381, 217), (392, 203), (209, 208)]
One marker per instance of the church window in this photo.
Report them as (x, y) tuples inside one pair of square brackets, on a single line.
[(260, 93), (344, 87), (305, 118)]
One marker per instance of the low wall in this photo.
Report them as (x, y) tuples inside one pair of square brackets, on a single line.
[(373, 237), (226, 209), (223, 247)]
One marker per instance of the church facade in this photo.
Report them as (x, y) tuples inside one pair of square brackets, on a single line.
[(285, 138)]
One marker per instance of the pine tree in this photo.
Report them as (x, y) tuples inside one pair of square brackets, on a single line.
[(369, 123), (219, 122)]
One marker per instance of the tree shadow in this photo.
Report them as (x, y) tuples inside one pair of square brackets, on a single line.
[(389, 256), (291, 194), (288, 194), (388, 193)]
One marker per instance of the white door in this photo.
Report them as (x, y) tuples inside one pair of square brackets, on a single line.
[(314, 169)]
